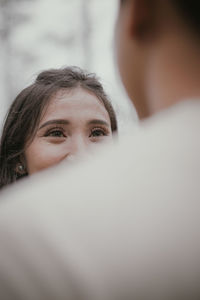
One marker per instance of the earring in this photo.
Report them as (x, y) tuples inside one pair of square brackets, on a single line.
[(20, 169)]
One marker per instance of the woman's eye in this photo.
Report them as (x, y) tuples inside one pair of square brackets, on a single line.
[(97, 132), (55, 133)]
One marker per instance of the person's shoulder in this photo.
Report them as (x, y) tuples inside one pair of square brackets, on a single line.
[(174, 130)]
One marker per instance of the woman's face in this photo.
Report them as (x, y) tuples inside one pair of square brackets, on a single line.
[(72, 123)]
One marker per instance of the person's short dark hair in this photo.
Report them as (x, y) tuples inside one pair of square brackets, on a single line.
[(189, 10), (25, 113)]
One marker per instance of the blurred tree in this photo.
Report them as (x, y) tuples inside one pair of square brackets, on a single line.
[(11, 17), (86, 33)]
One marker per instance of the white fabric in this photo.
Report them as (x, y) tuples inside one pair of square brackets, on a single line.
[(123, 226)]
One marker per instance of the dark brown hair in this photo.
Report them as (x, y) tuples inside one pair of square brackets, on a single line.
[(25, 112), (189, 10)]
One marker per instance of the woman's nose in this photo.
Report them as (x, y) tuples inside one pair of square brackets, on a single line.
[(79, 145)]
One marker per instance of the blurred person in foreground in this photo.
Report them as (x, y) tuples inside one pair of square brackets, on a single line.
[(125, 226), (62, 115)]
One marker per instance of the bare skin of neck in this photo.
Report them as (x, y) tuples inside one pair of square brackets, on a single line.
[(173, 72)]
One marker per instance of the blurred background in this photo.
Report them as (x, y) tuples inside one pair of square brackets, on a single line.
[(43, 34)]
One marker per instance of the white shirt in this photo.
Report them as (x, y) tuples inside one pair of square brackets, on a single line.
[(123, 226)]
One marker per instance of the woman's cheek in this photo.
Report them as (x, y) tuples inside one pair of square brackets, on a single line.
[(40, 156)]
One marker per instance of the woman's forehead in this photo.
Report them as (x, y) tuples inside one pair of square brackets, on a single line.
[(75, 103)]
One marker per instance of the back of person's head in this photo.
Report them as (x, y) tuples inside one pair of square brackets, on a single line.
[(27, 109), (158, 52)]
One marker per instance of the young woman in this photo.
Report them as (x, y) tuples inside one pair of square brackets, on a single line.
[(64, 112)]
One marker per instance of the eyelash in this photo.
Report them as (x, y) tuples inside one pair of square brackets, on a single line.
[(53, 130), (103, 131), (99, 130)]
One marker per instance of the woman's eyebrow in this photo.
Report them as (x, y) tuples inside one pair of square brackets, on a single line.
[(98, 122), (58, 122)]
